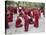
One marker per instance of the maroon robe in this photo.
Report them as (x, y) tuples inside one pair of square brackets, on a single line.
[(26, 24), (11, 9), (36, 20), (10, 17), (18, 23), (15, 10), (30, 20)]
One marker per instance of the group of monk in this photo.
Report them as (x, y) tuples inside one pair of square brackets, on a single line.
[(30, 16)]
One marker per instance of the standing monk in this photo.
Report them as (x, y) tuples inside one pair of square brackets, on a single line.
[(26, 24), (36, 17)]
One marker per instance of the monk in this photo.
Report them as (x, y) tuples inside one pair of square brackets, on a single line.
[(36, 17), (18, 22), (26, 24), (9, 16)]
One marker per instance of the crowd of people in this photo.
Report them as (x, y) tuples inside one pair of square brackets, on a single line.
[(30, 16)]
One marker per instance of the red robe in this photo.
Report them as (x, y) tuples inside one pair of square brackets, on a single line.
[(15, 10), (36, 20), (18, 23), (10, 17), (30, 20), (11, 9), (26, 24)]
